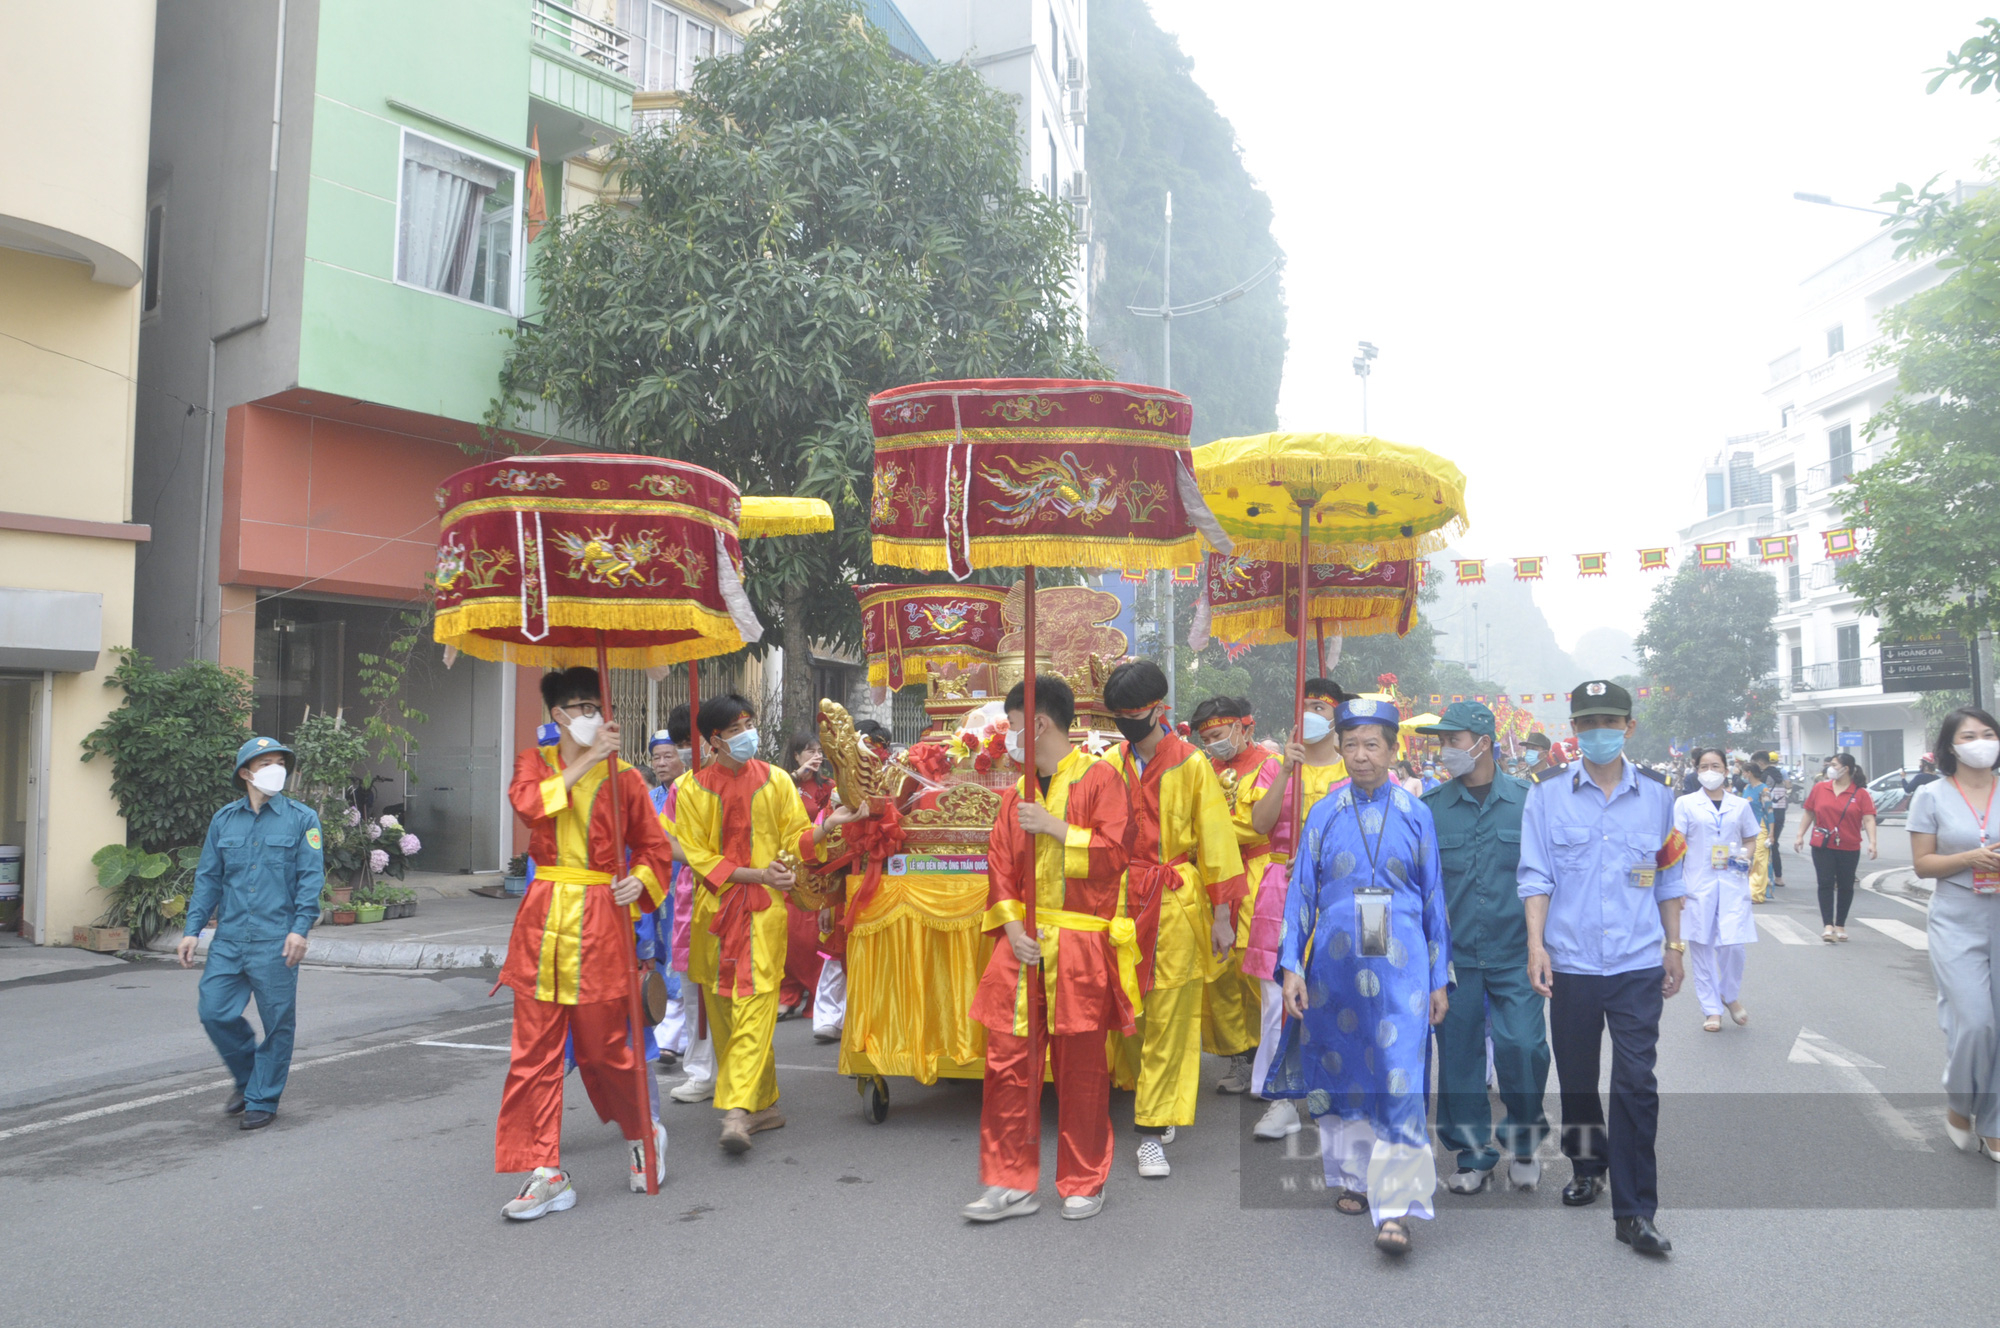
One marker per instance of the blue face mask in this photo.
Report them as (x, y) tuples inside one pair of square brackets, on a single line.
[(1601, 746), (1532, 757), (1316, 726), (743, 746)]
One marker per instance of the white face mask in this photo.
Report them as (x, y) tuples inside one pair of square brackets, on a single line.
[(1978, 754), (583, 729), (1017, 745), (270, 778), (1712, 779), (1315, 727), (1834, 771)]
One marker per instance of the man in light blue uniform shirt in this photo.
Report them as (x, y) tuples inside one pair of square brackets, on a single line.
[(1601, 877), (259, 878)]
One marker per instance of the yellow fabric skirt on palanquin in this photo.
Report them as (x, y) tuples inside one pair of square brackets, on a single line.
[(914, 957)]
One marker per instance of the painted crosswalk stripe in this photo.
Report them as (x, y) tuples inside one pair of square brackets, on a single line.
[(1784, 930), (464, 1046), (1896, 929)]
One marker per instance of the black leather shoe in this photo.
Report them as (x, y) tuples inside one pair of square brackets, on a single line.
[(1583, 1190), (1642, 1235), (234, 1106), (256, 1120)]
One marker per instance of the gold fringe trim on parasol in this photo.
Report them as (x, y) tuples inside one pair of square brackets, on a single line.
[(1105, 553), (765, 517), (461, 628), (1350, 550), (1225, 622)]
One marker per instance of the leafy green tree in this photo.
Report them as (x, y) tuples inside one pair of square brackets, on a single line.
[(825, 220), (1152, 130), (1709, 642), (172, 744), (1932, 558)]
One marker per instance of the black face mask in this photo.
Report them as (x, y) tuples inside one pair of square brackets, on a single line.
[(1136, 730)]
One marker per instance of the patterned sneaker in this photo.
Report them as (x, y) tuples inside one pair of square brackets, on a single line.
[(547, 1191), (637, 1176), (1153, 1159), (1168, 1137), (1238, 1078)]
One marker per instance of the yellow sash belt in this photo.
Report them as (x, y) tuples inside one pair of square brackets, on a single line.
[(1052, 922), (558, 975), (571, 875)]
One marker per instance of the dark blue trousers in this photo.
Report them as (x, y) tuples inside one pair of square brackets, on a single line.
[(1581, 1008), (235, 972)]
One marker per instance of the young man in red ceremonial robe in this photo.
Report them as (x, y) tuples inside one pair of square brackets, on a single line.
[(570, 959), (1186, 877), (1063, 986), (1231, 1005), (734, 818)]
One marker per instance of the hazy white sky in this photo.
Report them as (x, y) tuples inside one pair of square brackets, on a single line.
[(1570, 230)]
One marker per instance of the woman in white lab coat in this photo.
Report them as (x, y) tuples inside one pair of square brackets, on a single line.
[(1716, 922)]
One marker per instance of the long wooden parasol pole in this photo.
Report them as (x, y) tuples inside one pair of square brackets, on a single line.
[(694, 764), (1034, 773), (635, 1007), (1299, 686)]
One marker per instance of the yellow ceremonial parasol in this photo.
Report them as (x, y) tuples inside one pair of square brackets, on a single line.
[(1308, 498)]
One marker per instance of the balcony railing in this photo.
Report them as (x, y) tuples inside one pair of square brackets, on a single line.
[(581, 35), (1841, 674), (1826, 474)]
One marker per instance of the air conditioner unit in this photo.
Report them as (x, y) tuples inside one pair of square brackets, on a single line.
[(1079, 188), (1073, 72), (1078, 106)]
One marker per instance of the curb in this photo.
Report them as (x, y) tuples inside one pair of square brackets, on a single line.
[(1900, 883), (340, 952)]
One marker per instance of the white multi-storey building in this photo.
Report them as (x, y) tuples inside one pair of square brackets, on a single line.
[(1822, 393)]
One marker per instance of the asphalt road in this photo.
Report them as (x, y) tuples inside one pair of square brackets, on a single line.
[(1805, 1179)]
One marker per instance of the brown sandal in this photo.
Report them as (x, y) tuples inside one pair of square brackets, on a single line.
[(1393, 1237), (1351, 1202)]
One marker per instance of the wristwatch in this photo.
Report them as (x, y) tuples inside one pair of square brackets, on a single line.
[(1678, 947)]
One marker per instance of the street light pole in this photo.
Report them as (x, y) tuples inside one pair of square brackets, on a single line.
[(1363, 366), (1167, 312)]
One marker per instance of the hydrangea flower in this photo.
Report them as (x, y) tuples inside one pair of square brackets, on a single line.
[(390, 822), (354, 816), (374, 830), (409, 844), (378, 859)]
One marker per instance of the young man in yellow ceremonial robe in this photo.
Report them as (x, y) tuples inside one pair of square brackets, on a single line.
[(1186, 876), (1232, 1002), (743, 829), (570, 959)]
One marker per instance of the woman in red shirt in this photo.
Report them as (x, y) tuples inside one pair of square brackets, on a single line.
[(1838, 812)]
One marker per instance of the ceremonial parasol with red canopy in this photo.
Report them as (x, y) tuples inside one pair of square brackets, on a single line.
[(1020, 472), (625, 561)]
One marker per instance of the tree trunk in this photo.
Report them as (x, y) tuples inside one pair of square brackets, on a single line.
[(797, 697)]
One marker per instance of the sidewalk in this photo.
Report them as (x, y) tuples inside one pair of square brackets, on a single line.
[(448, 931)]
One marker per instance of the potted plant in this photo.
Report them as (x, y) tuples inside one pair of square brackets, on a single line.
[(516, 882)]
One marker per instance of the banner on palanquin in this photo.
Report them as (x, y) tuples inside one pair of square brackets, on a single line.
[(1591, 564), (1006, 472), (1840, 543), (1713, 555), (1653, 560), (1252, 601), (538, 555), (907, 629), (1471, 571), (1775, 549), (1528, 569)]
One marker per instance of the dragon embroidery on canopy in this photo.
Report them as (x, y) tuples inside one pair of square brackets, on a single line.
[(1058, 483)]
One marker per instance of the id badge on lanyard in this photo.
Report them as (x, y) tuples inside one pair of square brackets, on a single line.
[(1371, 919), (1987, 881)]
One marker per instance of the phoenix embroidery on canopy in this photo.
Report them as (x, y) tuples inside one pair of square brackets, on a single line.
[(944, 619), (1058, 483)]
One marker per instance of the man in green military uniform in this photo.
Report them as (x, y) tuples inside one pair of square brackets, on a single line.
[(1478, 816), (259, 878)]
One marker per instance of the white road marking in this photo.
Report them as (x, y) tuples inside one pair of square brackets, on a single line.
[(1783, 930), (817, 1069), (1872, 883), (1896, 929), (74, 1118), (464, 1046), (1811, 1049)]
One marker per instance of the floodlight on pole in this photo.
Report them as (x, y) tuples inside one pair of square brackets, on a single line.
[(1363, 366)]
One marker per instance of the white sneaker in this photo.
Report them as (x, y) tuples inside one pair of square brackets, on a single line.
[(1467, 1180), (693, 1090), (1079, 1206), (1168, 1137), (1524, 1173), (548, 1191), (1153, 1159), (637, 1176), (1280, 1120), (1000, 1203)]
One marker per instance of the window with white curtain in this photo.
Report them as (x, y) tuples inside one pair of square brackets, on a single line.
[(668, 43), (458, 223)]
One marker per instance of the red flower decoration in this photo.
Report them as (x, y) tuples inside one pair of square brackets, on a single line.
[(1386, 681), (982, 763), (996, 744)]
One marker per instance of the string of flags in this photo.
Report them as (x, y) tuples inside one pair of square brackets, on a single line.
[(1527, 698), (1711, 555)]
